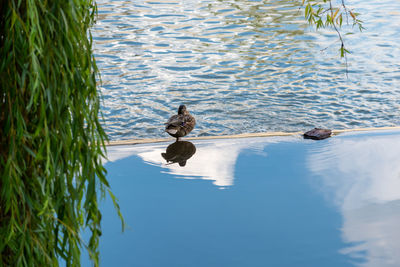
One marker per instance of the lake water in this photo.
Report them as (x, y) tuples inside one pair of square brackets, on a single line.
[(243, 66), (276, 201)]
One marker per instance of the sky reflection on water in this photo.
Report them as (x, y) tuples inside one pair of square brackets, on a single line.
[(361, 176), (286, 202), (212, 161)]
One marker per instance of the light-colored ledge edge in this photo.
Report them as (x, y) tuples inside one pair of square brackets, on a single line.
[(247, 135)]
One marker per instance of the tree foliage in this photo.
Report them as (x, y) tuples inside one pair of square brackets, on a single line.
[(323, 13), (51, 140)]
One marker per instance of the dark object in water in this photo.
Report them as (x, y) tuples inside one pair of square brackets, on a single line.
[(179, 152), (181, 124), (318, 134)]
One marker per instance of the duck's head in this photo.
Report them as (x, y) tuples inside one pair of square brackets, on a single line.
[(182, 109)]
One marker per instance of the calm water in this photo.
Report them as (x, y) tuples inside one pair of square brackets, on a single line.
[(243, 66), (256, 202)]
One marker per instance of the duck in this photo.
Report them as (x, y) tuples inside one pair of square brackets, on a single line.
[(181, 124)]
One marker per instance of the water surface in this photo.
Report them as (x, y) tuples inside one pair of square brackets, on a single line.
[(243, 66), (280, 201)]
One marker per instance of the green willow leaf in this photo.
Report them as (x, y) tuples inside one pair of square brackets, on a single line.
[(51, 142)]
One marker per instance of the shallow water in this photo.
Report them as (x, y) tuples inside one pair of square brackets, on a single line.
[(277, 201), (243, 66)]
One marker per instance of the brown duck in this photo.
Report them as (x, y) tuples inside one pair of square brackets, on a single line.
[(181, 124)]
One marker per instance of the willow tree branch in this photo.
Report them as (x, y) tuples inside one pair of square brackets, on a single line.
[(323, 14), (343, 50)]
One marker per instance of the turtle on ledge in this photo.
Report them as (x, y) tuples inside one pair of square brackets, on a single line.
[(181, 124), (318, 134)]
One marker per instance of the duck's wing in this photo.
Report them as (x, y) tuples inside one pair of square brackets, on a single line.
[(189, 119), (175, 120)]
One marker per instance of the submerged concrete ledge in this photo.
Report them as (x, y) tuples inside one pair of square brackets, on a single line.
[(246, 135)]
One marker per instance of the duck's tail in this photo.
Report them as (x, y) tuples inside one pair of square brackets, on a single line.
[(171, 130)]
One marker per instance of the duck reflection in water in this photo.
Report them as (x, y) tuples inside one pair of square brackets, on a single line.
[(179, 152)]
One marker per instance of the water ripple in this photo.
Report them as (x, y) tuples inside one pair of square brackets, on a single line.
[(242, 66)]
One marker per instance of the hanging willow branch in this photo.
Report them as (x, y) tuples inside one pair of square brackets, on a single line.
[(322, 13), (51, 140)]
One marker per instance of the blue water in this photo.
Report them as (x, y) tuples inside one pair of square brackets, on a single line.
[(243, 66), (280, 201)]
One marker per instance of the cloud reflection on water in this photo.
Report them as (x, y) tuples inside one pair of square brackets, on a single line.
[(361, 176), (358, 174), (213, 161)]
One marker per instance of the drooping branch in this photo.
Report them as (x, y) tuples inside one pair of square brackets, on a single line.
[(323, 14)]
